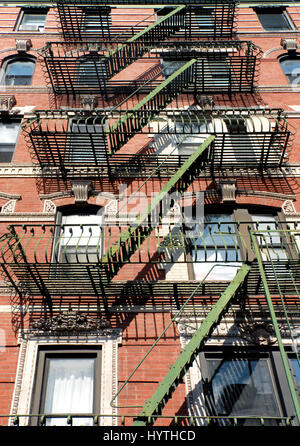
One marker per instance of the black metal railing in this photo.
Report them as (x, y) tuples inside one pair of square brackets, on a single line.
[(92, 142), (89, 68), (84, 21)]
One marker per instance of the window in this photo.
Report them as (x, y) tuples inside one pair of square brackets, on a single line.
[(219, 246), (216, 256), (18, 71), (79, 237), (9, 131), (274, 19), (295, 362), (290, 65), (242, 384), (87, 144), (32, 20), (170, 66), (91, 72), (96, 22), (67, 382), (101, 346), (237, 138)]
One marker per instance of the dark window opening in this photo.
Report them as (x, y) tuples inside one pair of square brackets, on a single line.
[(245, 383), (274, 19)]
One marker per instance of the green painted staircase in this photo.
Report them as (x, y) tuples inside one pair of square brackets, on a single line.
[(167, 386), (130, 239), (158, 99)]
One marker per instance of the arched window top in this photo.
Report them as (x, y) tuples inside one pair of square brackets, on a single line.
[(18, 70), (290, 65)]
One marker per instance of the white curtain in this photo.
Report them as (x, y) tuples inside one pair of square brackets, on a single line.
[(70, 389)]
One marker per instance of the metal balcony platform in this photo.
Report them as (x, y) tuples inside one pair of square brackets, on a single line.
[(93, 20), (99, 68), (81, 143)]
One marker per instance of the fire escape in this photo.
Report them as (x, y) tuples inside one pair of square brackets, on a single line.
[(190, 51)]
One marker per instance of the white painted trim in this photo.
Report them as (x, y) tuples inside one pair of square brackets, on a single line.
[(29, 344)]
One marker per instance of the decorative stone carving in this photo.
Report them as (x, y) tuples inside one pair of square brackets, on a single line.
[(81, 190), (9, 207), (23, 45), (49, 207), (288, 207), (259, 333), (228, 190), (7, 102), (289, 44), (89, 102), (71, 321)]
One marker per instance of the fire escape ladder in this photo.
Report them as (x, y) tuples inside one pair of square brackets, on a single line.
[(272, 273), (163, 27), (134, 48), (167, 386), (126, 127), (129, 240)]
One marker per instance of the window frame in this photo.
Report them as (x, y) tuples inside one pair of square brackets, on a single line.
[(275, 366), (30, 341), (69, 211), (26, 10), (11, 119), (12, 59), (241, 215), (47, 352), (101, 23), (290, 56), (85, 127), (279, 10)]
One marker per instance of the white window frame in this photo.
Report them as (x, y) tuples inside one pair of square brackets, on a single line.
[(34, 28), (28, 360), (82, 238)]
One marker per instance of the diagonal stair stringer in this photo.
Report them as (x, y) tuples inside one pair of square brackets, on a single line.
[(166, 387), (128, 240)]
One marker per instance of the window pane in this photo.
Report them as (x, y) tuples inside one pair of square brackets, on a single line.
[(34, 19), (8, 136), (169, 67), (19, 72), (291, 67), (218, 231), (274, 21), (296, 367), (69, 389), (96, 23), (87, 144), (242, 387), (217, 252), (91, 73), (81, 243)]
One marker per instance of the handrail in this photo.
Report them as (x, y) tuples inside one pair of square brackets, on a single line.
[(39, 243), (264, 277), (175, 419)]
